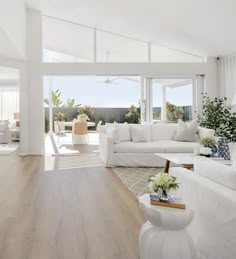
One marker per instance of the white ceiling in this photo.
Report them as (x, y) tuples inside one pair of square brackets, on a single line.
[(202, 27)]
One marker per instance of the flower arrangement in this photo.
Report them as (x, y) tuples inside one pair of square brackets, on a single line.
[(162, 181), (83, 117), (207, 141)]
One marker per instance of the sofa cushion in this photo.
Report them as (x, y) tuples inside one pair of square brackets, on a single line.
[(140, 133), (206, 133), (3, 126), (186, 132), (123, 131), (140, 147), (215, 171), (161, 146), (172, 146), (163, 131), (113, 132)]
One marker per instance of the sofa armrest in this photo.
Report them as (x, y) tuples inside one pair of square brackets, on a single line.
[(106, 147)]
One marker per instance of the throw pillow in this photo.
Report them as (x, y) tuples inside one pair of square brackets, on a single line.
[(138, 134), (123, 131), (188, 132), (113, 132)]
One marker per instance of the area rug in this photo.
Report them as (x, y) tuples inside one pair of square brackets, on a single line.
[(135, 179)]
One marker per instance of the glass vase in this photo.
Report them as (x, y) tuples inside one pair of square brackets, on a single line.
[(164, 196)]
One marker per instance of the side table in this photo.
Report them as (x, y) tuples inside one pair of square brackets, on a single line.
[(15, 134), (163, 236)]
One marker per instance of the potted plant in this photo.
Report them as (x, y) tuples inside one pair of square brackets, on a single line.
[(83, 117), (162, 183), (217, 115), (59, 120)]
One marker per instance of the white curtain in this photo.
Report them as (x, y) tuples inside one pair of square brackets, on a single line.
[(9, 102), (227, 77)]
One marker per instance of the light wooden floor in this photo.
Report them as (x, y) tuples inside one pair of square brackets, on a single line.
[(65, 213)]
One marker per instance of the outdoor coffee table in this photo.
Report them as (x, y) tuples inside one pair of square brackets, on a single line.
[(185, 159)]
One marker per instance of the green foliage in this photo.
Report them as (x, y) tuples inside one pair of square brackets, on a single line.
[(133, 116), (60, 116), (157, 115), (218, 116), (57, 100), (88, 111), (70, 103), (173, 112)]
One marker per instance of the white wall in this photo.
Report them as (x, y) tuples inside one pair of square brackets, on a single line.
[(12, 29), (145, 69), (212, 83)]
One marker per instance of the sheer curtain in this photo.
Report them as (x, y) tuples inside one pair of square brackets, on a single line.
[(9, 102), (227, 77)]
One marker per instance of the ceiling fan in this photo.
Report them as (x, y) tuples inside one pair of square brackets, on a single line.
[(109, 81)]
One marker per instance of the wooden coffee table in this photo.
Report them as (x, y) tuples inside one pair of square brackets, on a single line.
[(185, 159)]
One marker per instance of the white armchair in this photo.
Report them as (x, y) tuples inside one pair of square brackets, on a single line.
[(5, 135)]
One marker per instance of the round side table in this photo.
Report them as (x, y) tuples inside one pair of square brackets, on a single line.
[(163, 236)]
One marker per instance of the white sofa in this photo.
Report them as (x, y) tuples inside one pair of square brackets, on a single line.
[(211, 191), (158, 138), (4, 132)]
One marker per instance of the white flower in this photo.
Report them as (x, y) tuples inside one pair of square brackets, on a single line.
[(205, 151)]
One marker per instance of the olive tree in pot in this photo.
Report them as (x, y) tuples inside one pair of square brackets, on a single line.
[(59, 120), (217, 115)]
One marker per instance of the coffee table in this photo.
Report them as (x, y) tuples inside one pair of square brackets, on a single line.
[(185, 159)]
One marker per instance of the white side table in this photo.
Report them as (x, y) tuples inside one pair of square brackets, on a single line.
[(163, 236), (15, 134)]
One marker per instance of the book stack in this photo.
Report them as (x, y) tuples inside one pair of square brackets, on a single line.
[(171, 203)]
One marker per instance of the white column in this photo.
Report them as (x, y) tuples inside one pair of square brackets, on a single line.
[(149, 52), (200, 90), (50, 107), (143, 102), (149, 101), (194, 107), (95, 44), (163, 108), (32, 113)]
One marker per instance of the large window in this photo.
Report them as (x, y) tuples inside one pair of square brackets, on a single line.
[(67, 41)]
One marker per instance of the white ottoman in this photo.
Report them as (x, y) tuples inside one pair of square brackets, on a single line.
[(163, 236)]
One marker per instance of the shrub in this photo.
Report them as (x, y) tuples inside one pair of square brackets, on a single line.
[(218, 116), (133, 116), (173, 112)]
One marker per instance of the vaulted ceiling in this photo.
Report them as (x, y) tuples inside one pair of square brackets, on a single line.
[(202, 27)]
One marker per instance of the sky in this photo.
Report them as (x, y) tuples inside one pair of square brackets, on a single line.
[(91, 90)]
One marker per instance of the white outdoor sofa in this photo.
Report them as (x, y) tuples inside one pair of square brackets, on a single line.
[(211, 191), (158, 139)]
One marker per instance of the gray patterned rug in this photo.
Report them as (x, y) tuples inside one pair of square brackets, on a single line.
[(135, 179)]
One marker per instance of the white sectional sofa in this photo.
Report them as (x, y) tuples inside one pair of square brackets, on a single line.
[(211, 191), (136, 151)]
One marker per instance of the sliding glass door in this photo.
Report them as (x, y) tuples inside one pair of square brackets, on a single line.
[(170, 99)]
